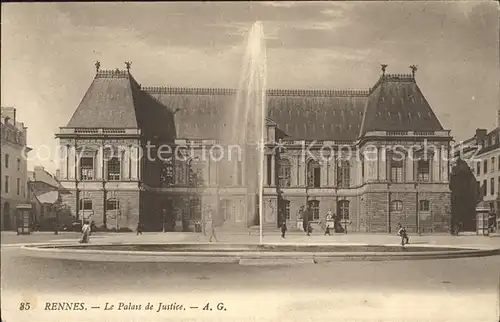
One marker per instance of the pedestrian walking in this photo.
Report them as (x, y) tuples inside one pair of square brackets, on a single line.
[(309, 228), (305, 220), (327, 229), (139, 228), (403, 234), (210, 225), (283, 229), (85, 233)]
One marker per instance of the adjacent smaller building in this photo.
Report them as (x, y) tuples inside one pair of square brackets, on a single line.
[(45, 192), (13, 165), (482, 154)]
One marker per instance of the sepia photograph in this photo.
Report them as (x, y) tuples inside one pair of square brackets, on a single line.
[(250, 161)]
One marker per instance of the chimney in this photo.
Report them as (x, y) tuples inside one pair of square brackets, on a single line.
[(9, 112), (481, 136), (58, 174)]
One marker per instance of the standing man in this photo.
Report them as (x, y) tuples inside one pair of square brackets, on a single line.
[(283, 229), (305, 220), (139, 228), (210, 224)]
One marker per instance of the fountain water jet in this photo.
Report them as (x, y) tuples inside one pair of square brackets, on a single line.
[(246, 121)]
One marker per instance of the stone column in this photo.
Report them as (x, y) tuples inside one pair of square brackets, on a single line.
[(444, 164), (63, 162), (99, 157), (273, 166), (410, 168), (327, 173), (435, 165), (125, 162), (299, 170), (135, 163), (71, 163)]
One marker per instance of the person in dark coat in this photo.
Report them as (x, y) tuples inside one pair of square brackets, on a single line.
[(139, 228), (309, 228), (283, 229), (305, 220)]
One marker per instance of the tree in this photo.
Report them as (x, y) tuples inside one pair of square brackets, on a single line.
[(465, 195)]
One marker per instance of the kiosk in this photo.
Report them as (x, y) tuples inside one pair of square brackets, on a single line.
[(23, 219), (482, 218)]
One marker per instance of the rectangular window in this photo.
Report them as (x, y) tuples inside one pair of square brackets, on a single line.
[(18, 186), (87, 168), (6, 189), (344, 210), (492, 186), (181, 173), (485, 166), (485, 189), (111, 204), (314, 209), (424, 205), (85, 204), (18, 164), (286, 209), (492, 164), (114, 169), (478, 186), (478, 168), (6, 161), (423, 170), (343, 174), (396, 171)]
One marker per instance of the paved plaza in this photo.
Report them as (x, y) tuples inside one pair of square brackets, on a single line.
[(463, 289)]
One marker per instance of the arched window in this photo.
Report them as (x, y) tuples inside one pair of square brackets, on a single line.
[(313, 174), (424, 205), (285, 171), (396, 205), (344, 209), (314, 209), (343, 174), (114, 169)]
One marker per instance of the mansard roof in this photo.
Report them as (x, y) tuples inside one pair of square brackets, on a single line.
[(397, 104), (108, 103), (115, 100), (300, 114)]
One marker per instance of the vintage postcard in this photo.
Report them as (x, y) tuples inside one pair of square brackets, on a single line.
[(250, 161)]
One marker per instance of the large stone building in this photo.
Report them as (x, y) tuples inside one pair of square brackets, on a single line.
[(14, 168), (377, 157)]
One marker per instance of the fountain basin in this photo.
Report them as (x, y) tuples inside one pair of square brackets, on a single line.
[(265, 254)]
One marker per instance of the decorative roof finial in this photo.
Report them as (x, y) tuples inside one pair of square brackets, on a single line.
[(97, 66), (383, 67), (127, 65), (413, 70)]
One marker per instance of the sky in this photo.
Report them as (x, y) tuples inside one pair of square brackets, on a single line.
[(49, 49)]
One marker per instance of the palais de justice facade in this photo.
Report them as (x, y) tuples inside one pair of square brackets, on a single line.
[(117, 117)]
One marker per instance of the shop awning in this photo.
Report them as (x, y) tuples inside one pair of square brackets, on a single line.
[(48, 197)]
